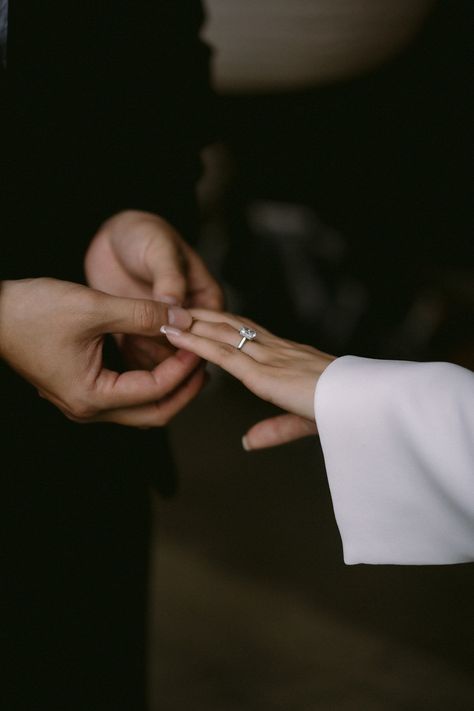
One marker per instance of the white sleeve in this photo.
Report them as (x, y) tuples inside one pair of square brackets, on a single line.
[(398, 443)]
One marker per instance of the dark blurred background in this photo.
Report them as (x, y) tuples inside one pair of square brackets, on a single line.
[(335, 208)]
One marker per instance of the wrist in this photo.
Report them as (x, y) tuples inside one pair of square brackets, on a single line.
[(322, 362)]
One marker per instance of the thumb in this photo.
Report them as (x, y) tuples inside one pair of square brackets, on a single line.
[(278, 430), (141, 317)]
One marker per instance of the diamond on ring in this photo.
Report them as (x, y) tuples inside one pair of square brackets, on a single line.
[(248, 334)]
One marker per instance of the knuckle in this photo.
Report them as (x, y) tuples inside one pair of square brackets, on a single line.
[(225, 352), (145, 317), (230, 331), (87, 305)]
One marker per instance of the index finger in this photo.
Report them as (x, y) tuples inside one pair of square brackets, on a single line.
[(138, 387), (159, 413)]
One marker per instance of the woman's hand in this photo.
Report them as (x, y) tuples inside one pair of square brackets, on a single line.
[(277, 370)]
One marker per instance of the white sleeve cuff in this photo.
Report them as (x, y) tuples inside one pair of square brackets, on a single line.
[(398, 443)]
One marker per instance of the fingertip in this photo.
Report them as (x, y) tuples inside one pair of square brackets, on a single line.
[(246, 444), (170, 331), (179, 318), (169, 288), (167, 299)]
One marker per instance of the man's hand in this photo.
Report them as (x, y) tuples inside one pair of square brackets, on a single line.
[(52, 333), (137, 254)]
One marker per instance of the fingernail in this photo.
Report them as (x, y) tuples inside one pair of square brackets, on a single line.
[(167, 299), (179, 317), (169, 330), (245, 443)]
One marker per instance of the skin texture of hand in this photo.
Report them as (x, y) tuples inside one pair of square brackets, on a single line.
[(277, 370), (139, 255), (52, 333)]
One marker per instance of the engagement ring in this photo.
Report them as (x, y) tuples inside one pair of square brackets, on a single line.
[(248, 334)]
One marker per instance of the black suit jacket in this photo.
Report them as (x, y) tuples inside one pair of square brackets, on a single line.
[(108, 106), (105, 106)]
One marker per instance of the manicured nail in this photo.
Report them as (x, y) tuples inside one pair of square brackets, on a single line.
[(167, 299), (178, 317), (245, 443), (169, 330)]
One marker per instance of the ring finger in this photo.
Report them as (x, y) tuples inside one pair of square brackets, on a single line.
[(235, 321), (225, 333)]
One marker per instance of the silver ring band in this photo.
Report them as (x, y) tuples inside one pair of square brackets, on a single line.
[(248, 334)]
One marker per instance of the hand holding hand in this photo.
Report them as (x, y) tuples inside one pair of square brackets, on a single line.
[(139, 255), (277, 370), (52, 333)]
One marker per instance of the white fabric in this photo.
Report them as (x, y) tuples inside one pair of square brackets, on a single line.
[(398, 443)]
